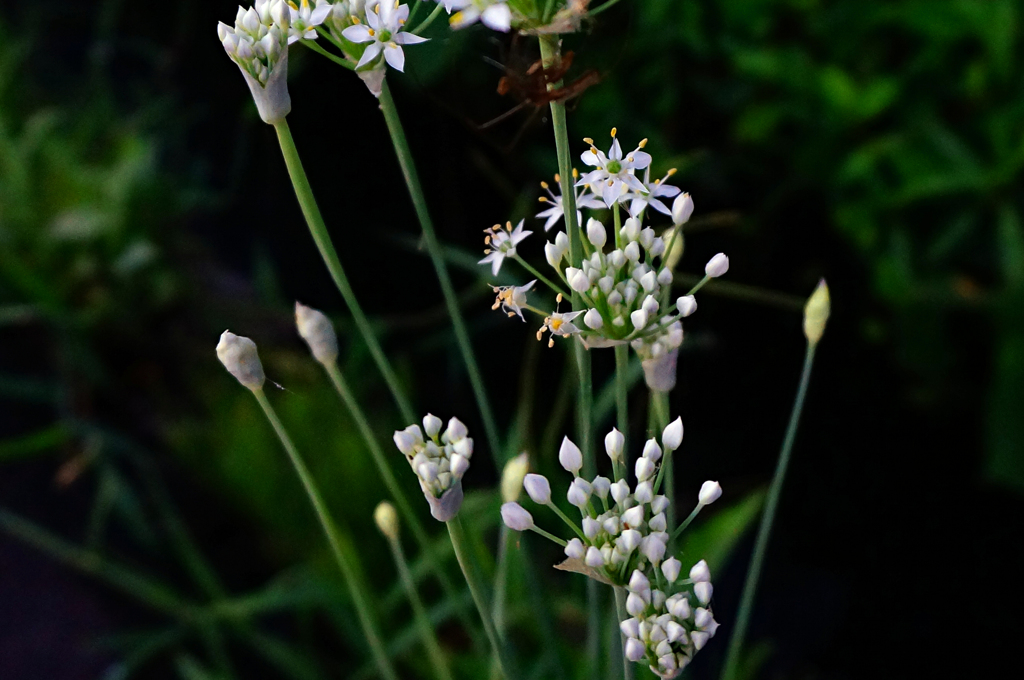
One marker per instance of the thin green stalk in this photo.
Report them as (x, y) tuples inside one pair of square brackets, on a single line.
[(545, 280), (622, 399), (395, 489), (434, 651), (607, 5), (311, 44), (317, 228), (419, 201), (348, 571), (764, 531), (430, 18), (659, 407), (628, 671), (700, 284), (550, 53), (478, 590)]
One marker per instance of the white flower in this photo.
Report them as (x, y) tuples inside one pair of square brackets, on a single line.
[(305, 18), (709, 493), (717, 266), (511, 299), (672, 436), (492, 13), (538, 488), (652, 193), (239, 356), (516, 517), (502, 243), (682, 208), (613, 175), (559, 324), (584, 199), (258, 44), (570, 456), (384, 32)]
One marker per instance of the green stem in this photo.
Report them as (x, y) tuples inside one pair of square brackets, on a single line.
[(478, 590), (427, 635), (622, 400), (395, 489), (551, 537), (700, 284), (412, 181), (317, 228), (348, 571), (686, 522), (545, 280), (659, 407), (764, 531), (550, 53), (628, 672), (311, 44), (429, 20)]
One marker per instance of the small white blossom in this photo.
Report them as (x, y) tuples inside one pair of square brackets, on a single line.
[(501, 243), (614, 174), (511, 299), (304, 19), (652, 193), (384, 31), (493, 14), (557, 210)]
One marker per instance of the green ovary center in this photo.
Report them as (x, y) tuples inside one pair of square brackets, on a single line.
[(385, 36), (614, 167)]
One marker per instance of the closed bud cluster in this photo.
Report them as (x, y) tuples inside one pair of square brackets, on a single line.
[(439, 460), (667, 627)]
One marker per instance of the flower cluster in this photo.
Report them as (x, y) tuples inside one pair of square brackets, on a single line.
[(439, 461), (666, 628)]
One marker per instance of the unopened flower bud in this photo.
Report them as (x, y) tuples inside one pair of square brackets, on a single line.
[(459, 465), (570, 456), (687, 305), (591, 528), (672, 436), (634, 649), (816, 312), (614, 441), (594, 558), (512, 477), (682, 208), (431, 425), (639, 319), (516, 517), (456, 430), (579, 493), (630, 540), (635, 605), (593, 319), (700, 572), (633, 517), (652, 451), (240, 357), (703, 592), (318, 332), (699, 638), (644, 469), (709, 493), (575, 549), (578, 281), (601, 485), (596, 233), (653, 548), (671, 568), (630, 628), (538, 488), (717, 266), (387, 520), (553, 254)]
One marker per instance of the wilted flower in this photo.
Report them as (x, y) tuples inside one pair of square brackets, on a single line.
[(511, 299)]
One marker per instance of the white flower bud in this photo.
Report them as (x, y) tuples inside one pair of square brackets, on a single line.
[(699, 638), (612, 525), (665, 277), (387, 520), (676, 633), (458, 466), (646, 238), (658, 634), (679, 607), (538, 488), (671, 568), (594, 558), (456, 430), (657, 249), (601, 485), (702, 618), (579, 493), (553, 254), (634, 649), (513, 477), (653, 548), (816, 312), (644, 492), (682, 208), (578, 281), (591, 528), (659, 504), (575, 549), (717, 265), (652, 450), (687, 305), (620, 490), (639, 319), (630, 628), (632, 251), (431, 425), (464, 447), (709, 493), (614, 441), (650, 303), (630, 230), (318, 332), (700, 573), (658, 523), (672, 436), (616, 259), (644, 469), (635, 605), (239, 356), (593, 319), (570, 456), (638, 583), (633, 517), (703, 592), (629, 540), (516, 517), (596, 233), (404, 441)]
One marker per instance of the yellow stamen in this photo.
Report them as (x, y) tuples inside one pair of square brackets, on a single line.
[(671, 172), (614, 130), (575, 173), (558, 178), (643, 143), (543, 199), (589, 141), (371, 32), (544, 185)]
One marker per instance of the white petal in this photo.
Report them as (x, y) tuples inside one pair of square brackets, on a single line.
[(357, 34), (498, 17), (395, 56), (371, 52), (404, 38)]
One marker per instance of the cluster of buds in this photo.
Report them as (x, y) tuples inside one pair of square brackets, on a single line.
[(258, 44), (439, 461), (671, 622)]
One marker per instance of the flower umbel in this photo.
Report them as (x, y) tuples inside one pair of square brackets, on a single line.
[(439, 461)]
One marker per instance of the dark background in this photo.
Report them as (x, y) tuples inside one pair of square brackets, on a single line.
[(144, 207)]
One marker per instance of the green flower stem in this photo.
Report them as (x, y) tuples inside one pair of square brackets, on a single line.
[(427, 635), (550, 52), (429, 20), (549, 536), (607, 5), (700, 284), (686, 522), (659, 407), (304, 193), (732, 658), (348, 571), (401, 500), (478, 590), (622, 401), (628, 671), (565, 518), (311, 44), (412, 181), (543, 279)]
